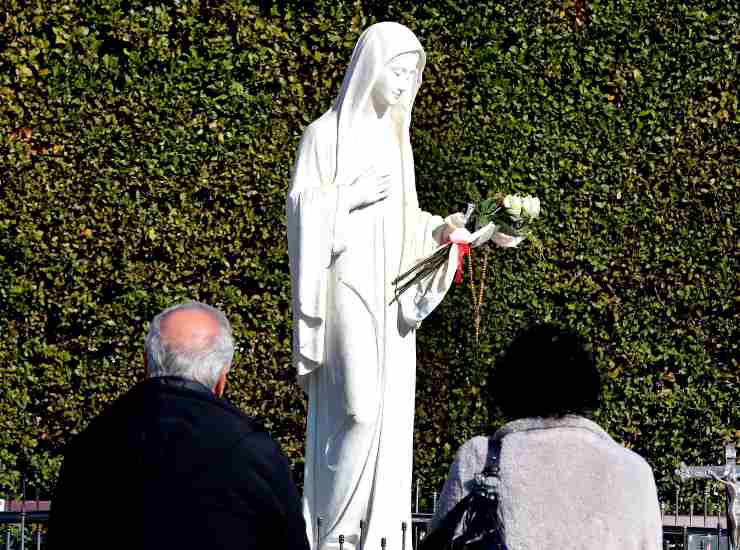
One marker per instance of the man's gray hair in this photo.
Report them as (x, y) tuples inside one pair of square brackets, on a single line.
[(204, 365)]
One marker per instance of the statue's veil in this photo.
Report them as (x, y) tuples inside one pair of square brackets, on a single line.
[(377, 46), (308, 205)]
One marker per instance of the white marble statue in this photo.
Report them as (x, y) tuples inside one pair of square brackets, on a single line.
[(354, 224)]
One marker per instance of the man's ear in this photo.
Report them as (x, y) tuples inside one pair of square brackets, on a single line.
[(218, 389)]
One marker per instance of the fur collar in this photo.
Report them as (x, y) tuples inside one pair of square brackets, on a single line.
[(567, 421)]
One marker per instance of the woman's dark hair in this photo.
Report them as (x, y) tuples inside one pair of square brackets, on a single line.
[(546, 371)]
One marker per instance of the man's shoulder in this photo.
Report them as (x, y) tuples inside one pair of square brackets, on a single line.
[(259, 443), (238, 430), (104, 425), (193, 395), (240, 419), (145, 406)]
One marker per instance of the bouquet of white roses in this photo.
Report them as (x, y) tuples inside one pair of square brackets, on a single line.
[(510, 214), (506, 220)]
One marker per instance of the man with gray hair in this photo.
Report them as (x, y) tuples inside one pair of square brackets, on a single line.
[(176, 465)]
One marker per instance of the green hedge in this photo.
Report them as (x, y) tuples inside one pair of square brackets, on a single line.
[(145, 153)]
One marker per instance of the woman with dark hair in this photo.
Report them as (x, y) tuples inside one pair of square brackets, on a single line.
[(550, 478)]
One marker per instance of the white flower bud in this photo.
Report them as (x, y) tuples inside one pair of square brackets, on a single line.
[(536, 209), (530, 207), (513, 205)]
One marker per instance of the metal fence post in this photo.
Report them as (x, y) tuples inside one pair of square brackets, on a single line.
[(23, 512), (418, 490), (38, 525), (706, 503), (675, 511), (719, 524)]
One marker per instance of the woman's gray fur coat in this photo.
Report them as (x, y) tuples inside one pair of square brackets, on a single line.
[(564, 484)]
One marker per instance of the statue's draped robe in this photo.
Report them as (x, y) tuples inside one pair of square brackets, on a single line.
[(355, 353)]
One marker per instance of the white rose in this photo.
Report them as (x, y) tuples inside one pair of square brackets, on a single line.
[(536, 209), (530, 207), (513, 205), (526, 206)]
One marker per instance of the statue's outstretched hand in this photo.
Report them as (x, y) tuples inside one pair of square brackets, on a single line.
[(455, 223), (483, 235), (451, 223), (369, 188)]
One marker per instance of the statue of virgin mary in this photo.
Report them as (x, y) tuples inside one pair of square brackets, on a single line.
[(354, 224)]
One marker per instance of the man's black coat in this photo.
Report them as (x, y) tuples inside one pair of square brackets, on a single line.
[(170, 465)]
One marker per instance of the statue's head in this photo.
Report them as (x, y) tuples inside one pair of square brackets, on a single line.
[(396, 78), (386, 65)]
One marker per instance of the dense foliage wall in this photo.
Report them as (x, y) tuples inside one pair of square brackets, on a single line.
[(145, 153)]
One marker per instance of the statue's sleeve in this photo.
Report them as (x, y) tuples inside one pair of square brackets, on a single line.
[(417, 303), (316, 212)]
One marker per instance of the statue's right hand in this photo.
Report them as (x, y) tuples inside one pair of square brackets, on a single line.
[(369, 188)]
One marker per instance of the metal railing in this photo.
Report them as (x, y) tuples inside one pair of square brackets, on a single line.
[(23, 522), (23, 529), (686, 528)]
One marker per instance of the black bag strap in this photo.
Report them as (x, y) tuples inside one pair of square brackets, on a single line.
[(494, 453), (484, 491), (485, 481)]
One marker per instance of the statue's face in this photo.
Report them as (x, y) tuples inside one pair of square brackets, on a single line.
[(396, 79)]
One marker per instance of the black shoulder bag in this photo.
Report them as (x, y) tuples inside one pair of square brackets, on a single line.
[(477, 513)]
